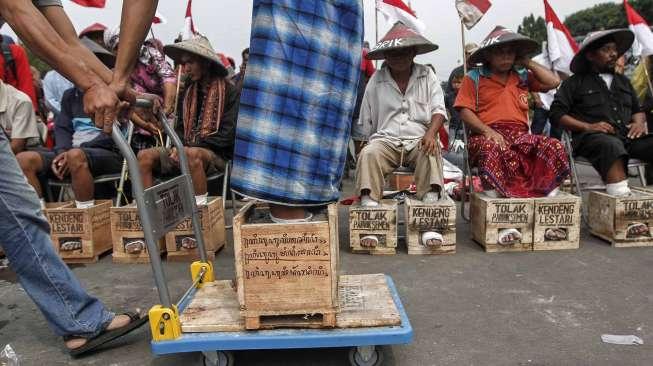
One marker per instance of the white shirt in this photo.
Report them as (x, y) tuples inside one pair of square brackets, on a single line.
[(608, 79), (399, 118), (17, 116)]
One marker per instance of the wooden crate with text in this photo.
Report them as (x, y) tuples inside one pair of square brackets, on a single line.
[(127, 234), (557, 222), (380, 221), (181, 244), (400, 182), (615, 219), (286, 274), (491, 215), (80, 235), (439, 217)]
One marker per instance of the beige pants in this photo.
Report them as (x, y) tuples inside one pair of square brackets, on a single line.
[(380, 158)]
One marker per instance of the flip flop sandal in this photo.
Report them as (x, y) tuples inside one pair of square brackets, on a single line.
[(637, 229), (555, 234), (503, 234), (107, 336), (432, 235), (371, 238)]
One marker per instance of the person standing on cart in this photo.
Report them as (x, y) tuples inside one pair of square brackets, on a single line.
[(81, 319), (208, 119)]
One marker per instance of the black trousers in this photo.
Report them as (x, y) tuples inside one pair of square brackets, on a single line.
[(603, 149)]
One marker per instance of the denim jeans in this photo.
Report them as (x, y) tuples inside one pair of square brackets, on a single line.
[(24, 236)]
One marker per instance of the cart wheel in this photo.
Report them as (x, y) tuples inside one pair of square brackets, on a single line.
[(218, 358), (365, 356)]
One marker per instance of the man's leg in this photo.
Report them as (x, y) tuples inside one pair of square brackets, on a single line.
[(32, 164), (148, 161), (375, 161), (80, 176), (608, 156), (201, 162)]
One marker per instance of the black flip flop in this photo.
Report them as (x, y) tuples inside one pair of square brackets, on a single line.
[(107, 336)]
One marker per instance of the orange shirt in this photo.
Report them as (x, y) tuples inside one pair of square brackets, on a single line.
[(498, 102)]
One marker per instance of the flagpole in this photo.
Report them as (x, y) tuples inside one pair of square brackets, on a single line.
[(462, 32), (376, 28)]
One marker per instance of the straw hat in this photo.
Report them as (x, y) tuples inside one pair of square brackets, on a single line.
[(107, 58), (622, 37), (199, 46), (95, 27), (501, 36), (399, 37)]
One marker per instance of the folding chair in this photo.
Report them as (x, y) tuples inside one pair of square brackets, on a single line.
[(226, 176), (468, 173)]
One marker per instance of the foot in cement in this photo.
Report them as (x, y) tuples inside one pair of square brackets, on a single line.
[(555, 234), (432, 239), (509, 237)]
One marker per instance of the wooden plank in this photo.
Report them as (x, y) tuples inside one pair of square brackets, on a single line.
[(439, 217), (285, 269), (490, 215), (365, 301), (89, 230), (213, 232), (561, 212), (126, 228), (380, 221), (610, 217)]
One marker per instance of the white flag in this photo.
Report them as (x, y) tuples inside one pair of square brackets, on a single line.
[(397, 10)]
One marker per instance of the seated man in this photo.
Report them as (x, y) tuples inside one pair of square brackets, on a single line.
[(17, 118), (493, 103), (81, 152), (603, 112), (404, 108), (207, 125)]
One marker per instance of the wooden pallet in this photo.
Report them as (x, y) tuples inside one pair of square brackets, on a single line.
[(560, 212), (380, 221), (489, 215), (609, 217), (364, 301), (439, 217)]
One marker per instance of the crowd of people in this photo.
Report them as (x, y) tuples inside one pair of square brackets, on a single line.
[(286, 117)]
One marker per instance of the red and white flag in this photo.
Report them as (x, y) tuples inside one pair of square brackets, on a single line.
[(397, 10), (189, 30), (561, 45), (643, 36), (471, 11), (91, 3), (159, 19)]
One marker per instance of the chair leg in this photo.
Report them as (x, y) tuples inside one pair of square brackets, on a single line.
[(225, 182), (641, 170)]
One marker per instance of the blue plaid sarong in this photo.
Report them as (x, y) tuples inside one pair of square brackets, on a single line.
[(297, 100)]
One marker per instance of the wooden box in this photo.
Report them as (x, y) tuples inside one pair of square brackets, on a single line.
[(286, 270), (610, 216), (400, 182), (213, 230), (80, 235), (489, 215), (380, 221), (561, 212), (439, 217), (125, 229)]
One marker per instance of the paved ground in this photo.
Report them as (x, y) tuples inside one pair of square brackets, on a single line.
[(473, 308)]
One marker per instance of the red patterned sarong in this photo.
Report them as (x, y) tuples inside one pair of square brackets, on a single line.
[(531, 166)]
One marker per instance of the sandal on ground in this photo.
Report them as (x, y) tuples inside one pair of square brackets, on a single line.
[(429, 236), (637, 229), (555, 234), (107, 336), (370, 238), (509, 237)]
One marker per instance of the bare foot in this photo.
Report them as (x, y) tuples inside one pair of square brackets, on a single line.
[(369, 241), (118, 321), (555, 234), (134, 247), (637, 229), (432, 239), (188, 243), (509, 236)]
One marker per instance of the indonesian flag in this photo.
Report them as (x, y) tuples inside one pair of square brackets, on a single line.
[(643, 36), (159, 19), (471, 11), (396, 10), (189, 30), (561, 45), (90, 3)]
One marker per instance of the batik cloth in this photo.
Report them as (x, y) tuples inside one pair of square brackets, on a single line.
[(531, 165), (297, 100)]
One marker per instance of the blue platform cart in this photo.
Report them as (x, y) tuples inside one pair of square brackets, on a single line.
[(161, 208)]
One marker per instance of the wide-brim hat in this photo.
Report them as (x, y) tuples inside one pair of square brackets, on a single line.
[(107, 58), (93, 28), (500, 36), (199, 46), (399, 37), (624, 39)]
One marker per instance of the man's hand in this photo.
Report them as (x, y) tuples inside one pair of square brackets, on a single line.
[(496, 137), (604, 127), (429, 145), (60, 166), (102, 103), (523, 61), (636, 130)]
